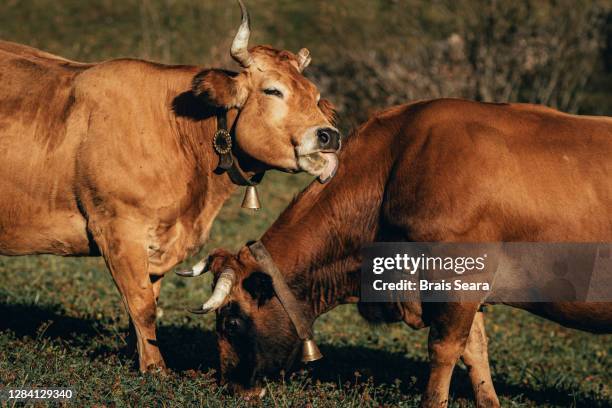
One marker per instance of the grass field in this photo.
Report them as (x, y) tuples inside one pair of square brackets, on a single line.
[(62, 324)]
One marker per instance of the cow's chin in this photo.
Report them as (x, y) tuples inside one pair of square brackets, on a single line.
[(323, 165)]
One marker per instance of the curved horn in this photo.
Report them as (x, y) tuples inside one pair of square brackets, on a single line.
[(222, 289), (197, 269), (239, 50), (303, 59)]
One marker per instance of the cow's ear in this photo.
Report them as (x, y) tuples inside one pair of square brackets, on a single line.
[(329, 110), (259, 286), (219, 88)]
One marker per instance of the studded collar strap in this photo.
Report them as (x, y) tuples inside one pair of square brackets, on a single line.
[(223, 143)]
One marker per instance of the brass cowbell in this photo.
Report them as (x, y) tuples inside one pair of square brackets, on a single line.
[(310, 351), (251, 200)]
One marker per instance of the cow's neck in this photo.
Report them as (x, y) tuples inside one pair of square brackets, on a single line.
[(194, 125), (317, 241)]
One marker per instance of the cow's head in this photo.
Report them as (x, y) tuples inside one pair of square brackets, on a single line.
[(255, 337), (282, 123)]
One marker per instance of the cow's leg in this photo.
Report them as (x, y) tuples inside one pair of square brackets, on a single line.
[(127, 261), (476, 358), (157, 281), (448, 334)]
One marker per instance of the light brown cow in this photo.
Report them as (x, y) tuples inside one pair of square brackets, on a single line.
[(433, 171), (116, 158)]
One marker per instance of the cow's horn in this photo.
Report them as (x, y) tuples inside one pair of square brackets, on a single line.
[(197, 269), (303, 59), (222, 290), (240, 50)]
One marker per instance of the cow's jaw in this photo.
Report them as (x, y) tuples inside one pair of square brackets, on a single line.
[(320, 164)]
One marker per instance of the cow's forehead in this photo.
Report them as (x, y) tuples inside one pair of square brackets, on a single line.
[(282, 66), (273, 56)]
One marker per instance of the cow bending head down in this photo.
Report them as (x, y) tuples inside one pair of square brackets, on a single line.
[(255, 335), (415, 192), (283, 123)]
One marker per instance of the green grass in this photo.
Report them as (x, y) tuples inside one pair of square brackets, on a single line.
[(62, 324)]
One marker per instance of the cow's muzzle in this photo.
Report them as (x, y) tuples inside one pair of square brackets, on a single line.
[(320, 164), (317, 154), (249, 394)]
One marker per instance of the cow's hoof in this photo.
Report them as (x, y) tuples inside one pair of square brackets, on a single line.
[(488, 402), (433, 401), (253, 394), (157, 369)]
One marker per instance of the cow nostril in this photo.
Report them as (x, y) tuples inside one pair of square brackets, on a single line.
[(323, 137), (328, 138)]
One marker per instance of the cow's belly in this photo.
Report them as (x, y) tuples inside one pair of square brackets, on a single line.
[(38, 211), (59, 233), (595, 317), (37, 218)]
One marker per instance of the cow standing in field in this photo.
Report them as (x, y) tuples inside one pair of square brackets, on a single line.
[(436, 171), (117, 158)]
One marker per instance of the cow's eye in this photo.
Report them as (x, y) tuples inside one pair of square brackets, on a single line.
[(234, 326), (273, 92)]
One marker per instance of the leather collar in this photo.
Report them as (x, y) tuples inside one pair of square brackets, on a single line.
[(283, 292), (223, 144)]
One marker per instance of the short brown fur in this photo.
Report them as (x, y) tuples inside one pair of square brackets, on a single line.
[(442, 170), (116, 158)]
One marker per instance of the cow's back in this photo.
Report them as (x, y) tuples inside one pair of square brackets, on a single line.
[(502, 172), (37, 166)]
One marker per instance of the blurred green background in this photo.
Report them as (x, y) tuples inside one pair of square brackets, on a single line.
[(61, 319), (367, 54)]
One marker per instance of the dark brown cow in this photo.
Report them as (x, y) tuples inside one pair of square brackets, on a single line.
[(443, 170), (117, 158)]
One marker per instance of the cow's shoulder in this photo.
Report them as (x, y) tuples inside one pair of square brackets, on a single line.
[(464, 122), (129, 151), (467, 165), (449, 111), (422, 116)]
